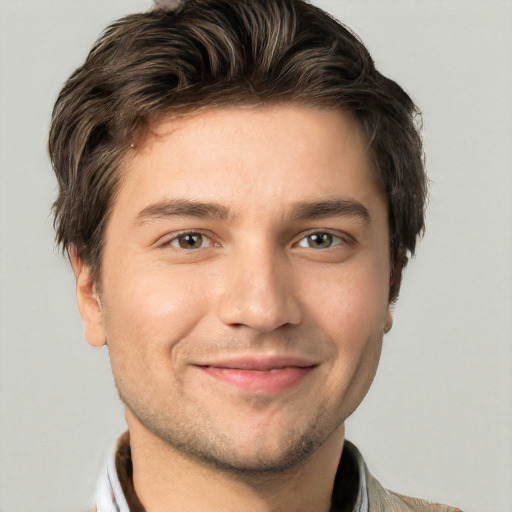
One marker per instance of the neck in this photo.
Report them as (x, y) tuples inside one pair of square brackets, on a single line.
[(167, 480)]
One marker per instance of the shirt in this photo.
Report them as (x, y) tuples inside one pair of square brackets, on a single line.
[(360, 491)]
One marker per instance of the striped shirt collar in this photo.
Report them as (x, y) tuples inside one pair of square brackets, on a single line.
[(109, 493)]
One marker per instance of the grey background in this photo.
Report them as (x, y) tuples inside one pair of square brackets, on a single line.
[(437, 422)]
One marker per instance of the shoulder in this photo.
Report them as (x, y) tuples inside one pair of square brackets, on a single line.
[(382, 500)]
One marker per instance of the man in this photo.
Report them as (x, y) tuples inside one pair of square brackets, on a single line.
[(240, 191)]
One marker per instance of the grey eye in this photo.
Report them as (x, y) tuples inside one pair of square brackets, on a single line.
[(317, 241)]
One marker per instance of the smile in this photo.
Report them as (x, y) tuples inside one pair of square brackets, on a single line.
[(261, 375)]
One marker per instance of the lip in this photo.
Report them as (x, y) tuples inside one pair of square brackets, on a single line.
[(260, 374)]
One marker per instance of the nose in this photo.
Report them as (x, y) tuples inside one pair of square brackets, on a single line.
[(258, 292)]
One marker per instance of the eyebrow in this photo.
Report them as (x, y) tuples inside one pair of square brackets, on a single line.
[(331, 208), (306, 210), (182, 208)]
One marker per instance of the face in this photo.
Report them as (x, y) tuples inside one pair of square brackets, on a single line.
[(245, 280)]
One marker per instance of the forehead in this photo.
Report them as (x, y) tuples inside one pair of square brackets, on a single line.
[(280, 153)]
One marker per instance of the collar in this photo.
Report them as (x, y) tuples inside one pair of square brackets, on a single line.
[(115, 492)]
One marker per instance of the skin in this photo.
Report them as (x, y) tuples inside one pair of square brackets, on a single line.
[(256, 276)]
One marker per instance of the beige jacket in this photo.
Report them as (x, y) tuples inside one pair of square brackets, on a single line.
[(382, 500)]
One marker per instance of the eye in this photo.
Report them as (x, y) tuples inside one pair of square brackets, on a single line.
[(191, 241), (319, 241)]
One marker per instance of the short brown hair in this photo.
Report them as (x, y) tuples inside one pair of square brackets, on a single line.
[(217, 53)]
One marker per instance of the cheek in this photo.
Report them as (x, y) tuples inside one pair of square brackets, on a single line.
[(150, 308), (352, 302)]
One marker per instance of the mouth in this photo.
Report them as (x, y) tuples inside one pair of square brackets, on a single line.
[(265, 375)]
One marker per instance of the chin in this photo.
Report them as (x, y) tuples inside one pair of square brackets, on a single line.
[(256, 450)]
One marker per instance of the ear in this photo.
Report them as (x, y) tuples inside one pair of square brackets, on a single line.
[(89, 302), (389, 320)]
